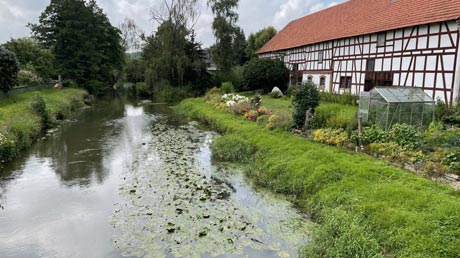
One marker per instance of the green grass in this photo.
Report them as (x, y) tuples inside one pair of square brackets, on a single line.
[(21, 125), (364, 207), (328, 114), (281, 106)]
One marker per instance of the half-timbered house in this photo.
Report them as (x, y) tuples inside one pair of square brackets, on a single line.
[(360, 44)]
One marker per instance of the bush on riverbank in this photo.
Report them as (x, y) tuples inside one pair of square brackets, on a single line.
[(23, 117), (365, 207)]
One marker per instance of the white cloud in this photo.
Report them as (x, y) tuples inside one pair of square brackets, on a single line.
[(294, 9), (254, 15)]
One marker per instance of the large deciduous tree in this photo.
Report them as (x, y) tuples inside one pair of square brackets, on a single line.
[(172, 56), (87, 48), (32, 57), (227, 34), (257, 40)]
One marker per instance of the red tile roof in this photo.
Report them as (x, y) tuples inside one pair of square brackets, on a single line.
[(358, 17)]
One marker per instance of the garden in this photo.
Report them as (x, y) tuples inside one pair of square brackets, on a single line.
[(433, 152)]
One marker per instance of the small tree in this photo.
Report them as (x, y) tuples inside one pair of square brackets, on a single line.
[(9, 68), (305, 97), (265, 74)]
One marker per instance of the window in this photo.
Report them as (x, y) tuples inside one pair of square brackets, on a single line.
[(320, 57), (345, 82), (310, 78), (322, 83), (370, 65), (381, 38)]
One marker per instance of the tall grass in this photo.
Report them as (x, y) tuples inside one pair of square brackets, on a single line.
[(333, 115), (24, 116), (365, 208)]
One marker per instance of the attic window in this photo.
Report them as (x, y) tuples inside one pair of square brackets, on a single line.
[(381, 38)]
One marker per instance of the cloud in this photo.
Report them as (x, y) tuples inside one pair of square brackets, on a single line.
[(253, 15)]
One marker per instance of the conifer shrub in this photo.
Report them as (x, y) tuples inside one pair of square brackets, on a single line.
[(9, 68), (227, 87), (305, 97)]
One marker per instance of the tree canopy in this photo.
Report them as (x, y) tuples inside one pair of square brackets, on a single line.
[(257, 40), (87, 48), (230, 39), (9, 68), (265, 74), (174, 58), (32, 56)]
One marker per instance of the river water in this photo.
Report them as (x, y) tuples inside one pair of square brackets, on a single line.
[(129, 180)]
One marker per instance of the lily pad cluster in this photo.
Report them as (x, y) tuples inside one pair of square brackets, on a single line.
[(169, 208)]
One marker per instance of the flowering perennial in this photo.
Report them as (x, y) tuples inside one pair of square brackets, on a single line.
[(234, 99), (2, 139)]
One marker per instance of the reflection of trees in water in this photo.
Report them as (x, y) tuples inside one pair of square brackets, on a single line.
[(77, 151), (8, 172)]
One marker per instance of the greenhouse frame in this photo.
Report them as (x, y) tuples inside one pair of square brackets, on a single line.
[(386, 106)]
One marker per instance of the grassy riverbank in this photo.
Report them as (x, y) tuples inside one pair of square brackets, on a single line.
[(365, 208), (24, 117)]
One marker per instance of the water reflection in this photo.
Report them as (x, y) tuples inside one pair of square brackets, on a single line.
[(58, 197)]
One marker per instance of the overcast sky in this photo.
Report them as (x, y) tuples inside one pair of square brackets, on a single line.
[(254, 15)]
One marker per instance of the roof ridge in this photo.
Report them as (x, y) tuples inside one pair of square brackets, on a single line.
[(359, 17)]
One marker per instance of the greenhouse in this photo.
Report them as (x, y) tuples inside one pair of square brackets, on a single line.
[(386, 106)]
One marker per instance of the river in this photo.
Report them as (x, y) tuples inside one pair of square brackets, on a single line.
[(123, 179)]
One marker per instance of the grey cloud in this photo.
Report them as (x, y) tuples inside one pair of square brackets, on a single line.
[(254, 15)]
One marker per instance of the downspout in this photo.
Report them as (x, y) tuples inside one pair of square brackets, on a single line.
[(456, 89)]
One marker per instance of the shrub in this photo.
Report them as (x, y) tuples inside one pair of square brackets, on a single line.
[(370, 135), (170, 94), (280, 121), (335, 116), (227, 87), (453, 141), (213, 96), (9, 68), (305, 97), (345, 99), (235, 76), (69, 84), (451, 159), (265, 74), (233, 149), (142, 90), (394, 152), (290, 90), (407, 136), (97, 87), (28, 77), (38, 107), (337, 137), (442, 110)]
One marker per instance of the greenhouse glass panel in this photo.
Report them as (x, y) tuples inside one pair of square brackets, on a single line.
[(386, 106)]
